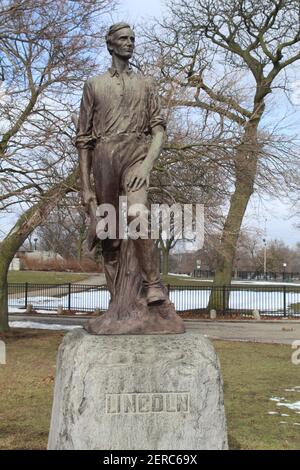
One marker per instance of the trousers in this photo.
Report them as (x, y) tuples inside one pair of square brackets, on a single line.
[(113, 158)]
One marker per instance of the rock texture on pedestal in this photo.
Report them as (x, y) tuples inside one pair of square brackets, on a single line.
[(137, 392)]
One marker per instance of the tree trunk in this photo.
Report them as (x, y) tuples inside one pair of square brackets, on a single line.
[(3, 299), (80, 243), (26, 224), (246, 168), (128, 312)]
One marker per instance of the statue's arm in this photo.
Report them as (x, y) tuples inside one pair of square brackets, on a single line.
[(140, 174), (85, 165), (85, 144), (157, 141), (157, 125)]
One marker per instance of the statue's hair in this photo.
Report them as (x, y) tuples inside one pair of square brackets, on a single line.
[(113, 29)]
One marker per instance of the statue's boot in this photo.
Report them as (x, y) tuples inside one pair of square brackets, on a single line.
[(149, 263)]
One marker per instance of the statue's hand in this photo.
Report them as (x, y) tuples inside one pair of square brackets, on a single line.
[(138, 176), (88, 199)]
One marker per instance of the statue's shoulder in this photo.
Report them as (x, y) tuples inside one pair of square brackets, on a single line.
[(148, 80), (101, 77)]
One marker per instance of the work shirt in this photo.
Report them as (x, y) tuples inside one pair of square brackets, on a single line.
[(114, 104), (117, 114)]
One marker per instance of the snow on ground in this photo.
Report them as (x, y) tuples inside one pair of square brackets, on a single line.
[(281, 401), (291, 406), (277, 399), (80, 301), (41, 326), (180, 275), (183, 299), (294, 389), (267, 283), (239, 299)]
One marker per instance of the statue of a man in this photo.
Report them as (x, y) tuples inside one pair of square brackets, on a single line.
[(119, 136)]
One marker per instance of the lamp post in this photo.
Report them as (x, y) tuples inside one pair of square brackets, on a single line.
[(265, 258), (284, 265), (35, 242)]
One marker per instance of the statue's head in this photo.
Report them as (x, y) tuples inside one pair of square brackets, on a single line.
[(120, 40)]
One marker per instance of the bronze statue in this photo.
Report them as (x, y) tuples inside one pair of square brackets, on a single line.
[(120, 134)]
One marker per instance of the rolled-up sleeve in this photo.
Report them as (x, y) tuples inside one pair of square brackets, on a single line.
[(156, 116), (84, 134)]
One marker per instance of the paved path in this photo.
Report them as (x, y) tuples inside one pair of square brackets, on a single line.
[(282, 332), (95, 279)]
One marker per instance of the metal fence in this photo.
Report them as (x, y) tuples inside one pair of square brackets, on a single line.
[(268, 300), (251, 275), (49, 297)]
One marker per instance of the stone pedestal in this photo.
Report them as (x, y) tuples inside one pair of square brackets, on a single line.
[(137, 392)]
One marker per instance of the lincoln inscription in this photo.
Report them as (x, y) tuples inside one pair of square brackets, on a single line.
[(134, 403)]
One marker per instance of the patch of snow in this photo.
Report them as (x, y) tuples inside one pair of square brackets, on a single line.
[(273, 413), (296, 424), (291, 406), (179, 275), (41, 326), (266, 283), (295, 389), (277, 399)]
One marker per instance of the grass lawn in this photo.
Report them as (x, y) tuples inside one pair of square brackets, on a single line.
[(45, 277), (179, 280), (252, 373)]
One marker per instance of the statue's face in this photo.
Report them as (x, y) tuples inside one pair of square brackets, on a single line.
[(122, 43)]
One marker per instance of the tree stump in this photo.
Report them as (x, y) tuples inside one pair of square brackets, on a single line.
[(128, 311)]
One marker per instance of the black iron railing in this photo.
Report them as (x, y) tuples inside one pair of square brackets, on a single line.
[(268, 300)]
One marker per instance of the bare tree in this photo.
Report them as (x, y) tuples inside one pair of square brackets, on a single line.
[(47, 49), (227, 57), (65, 229)]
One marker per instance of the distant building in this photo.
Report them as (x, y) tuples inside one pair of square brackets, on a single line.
[(15, 265), (22, 255), (183, 263), (41, 256)]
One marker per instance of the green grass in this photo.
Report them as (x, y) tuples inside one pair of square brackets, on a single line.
[(179, 280), (45, 277), (294, 308), (26, 387), (252, 374)]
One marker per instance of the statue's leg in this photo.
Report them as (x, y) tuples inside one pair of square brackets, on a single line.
[(146, 250), (149, 263), (106, 177), (111, 253)]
